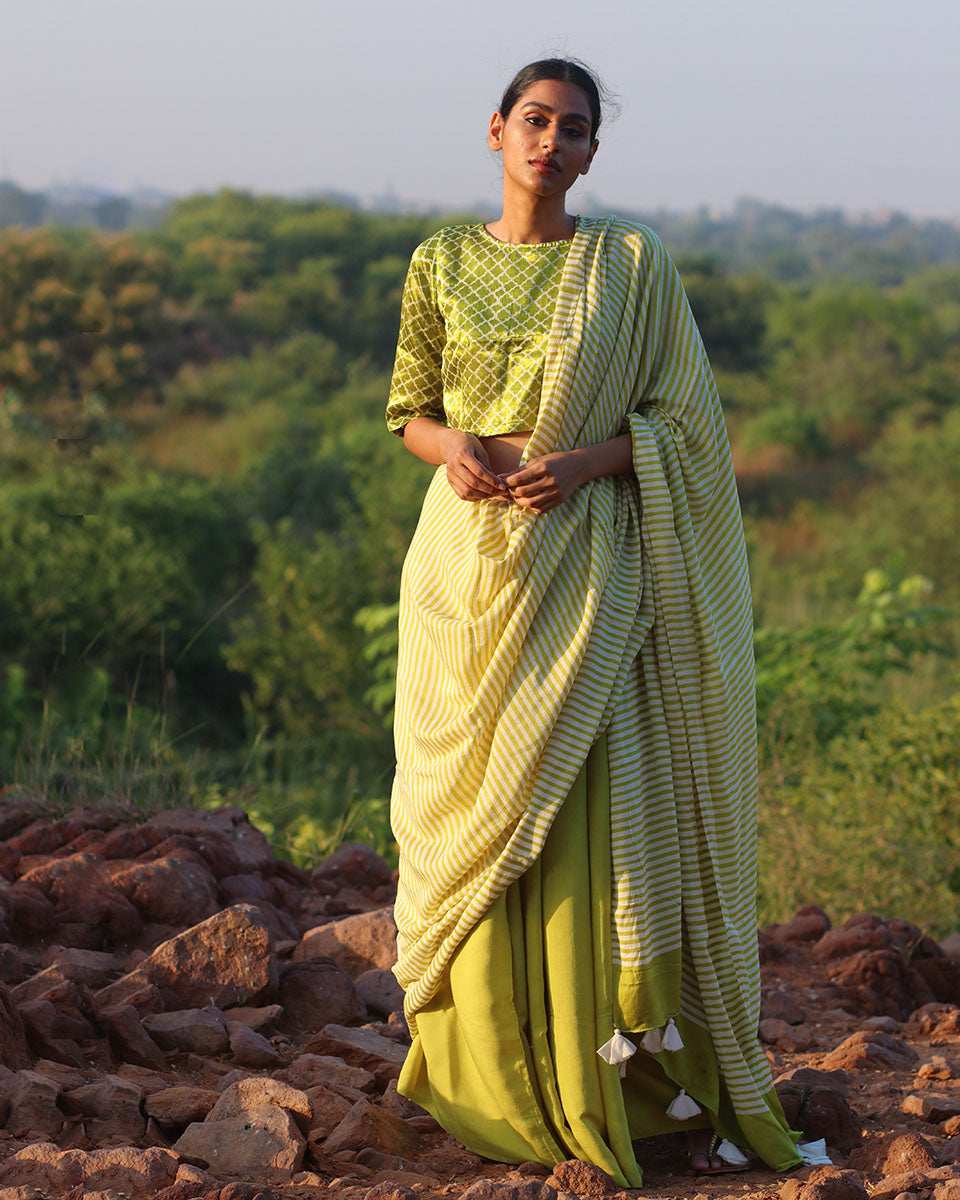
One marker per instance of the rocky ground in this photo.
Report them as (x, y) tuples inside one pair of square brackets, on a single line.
[(184, 1015)]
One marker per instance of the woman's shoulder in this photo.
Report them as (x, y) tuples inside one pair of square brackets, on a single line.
[(629, 237), (447, 240)]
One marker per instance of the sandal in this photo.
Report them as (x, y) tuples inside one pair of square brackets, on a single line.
[(719, 1151)]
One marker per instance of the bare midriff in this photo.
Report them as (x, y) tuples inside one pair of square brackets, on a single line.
[(504, 450)]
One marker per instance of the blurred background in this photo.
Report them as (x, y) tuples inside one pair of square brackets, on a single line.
[(206, 214)]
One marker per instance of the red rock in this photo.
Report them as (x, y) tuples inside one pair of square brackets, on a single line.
[(931, 1106), (129, 842), (329, 1109), (524, 1189), (250, 888), (113, 1106), (226, 960), (248, 1191), (356, 865), (281, 924), (881, 982), (781, 1006), (816, 1103), (852, 937), (257, 1092), (15, 1053), (872, 1050), (311, 1070), (31, 914), (41, 837), (357, 944), (318, 993), (32, 1100), (250, 850), (938, 1020), (173, 891), (825, 1183), (42, 1025), (582, 1178), (128, 1039), (260, 1020), (390, 1191), (892, 1154), (11, 962), (778, 1033), (950, 1149), (251, 1049), (887, 1189), (360, 1048), (941, 975), (367, 1124), (379, 991), (196, 1030), (177, 1107), (393, 1102), (951, 1127), (937, 1068), (263, 1142)]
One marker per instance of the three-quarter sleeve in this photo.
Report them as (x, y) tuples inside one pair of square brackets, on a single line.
[(416, 389)]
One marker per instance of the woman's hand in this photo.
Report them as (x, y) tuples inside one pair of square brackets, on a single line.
[(468, 468), (544, 483)]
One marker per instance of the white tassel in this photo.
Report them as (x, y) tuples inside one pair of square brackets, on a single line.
[(814, 1153), (616, 1051), (683, 1106), (652, 1042), (731, 1154), (671, 1037)]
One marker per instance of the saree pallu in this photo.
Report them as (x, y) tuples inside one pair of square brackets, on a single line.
[(621, 617)]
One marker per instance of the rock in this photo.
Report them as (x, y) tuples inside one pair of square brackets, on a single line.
[(177, 1107), (871, 1050), (379, 991), (860, 932), (913, 1181), (951, 945), (941, 975), (249, 850), (131, 990), (778, 1033), (520, 1189), (581, 1178), (892, 1154), (11, 961), (261, 1142), (248, 1191), (128, 1038), (881, 982), (15, 1052), (113, 1104), (86, 897), (227, 959), (825, 1183), (173, 891), (358, 1047), (950, 1149), (43, 1026), (260, 1020), (367, 1124), (252, 1093), (196, 1030), (251, 1049), (356, 865), (312, 1070), (318, 993), (329, 1109), (136, 1174), (31, 914), (810, 923), (393, 1102), (951, 1127), (32, 1100), (93, 970), (883, 1024), (931, 1106), (936, 1020), (390, 1191), (357, 944), (777, 1005), (937, 1068), (238, 889), (816, 1103), (948, 1190)]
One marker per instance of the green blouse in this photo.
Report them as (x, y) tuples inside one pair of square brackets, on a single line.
[(473, 331)]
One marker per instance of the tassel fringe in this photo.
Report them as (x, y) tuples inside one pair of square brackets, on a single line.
[(654, 1041), (683, 1106), (616, 1051)]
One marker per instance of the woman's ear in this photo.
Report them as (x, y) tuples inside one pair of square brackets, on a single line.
[(593, 149), (495, 133)]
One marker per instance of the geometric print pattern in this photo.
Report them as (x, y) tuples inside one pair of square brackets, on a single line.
[(474, 324)]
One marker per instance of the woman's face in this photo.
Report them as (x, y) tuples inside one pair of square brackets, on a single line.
[(545, 140)]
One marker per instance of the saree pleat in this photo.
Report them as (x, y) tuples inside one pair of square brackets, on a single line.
[(504, 1055)]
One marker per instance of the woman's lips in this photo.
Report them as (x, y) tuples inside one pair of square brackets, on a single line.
[(545, 165)]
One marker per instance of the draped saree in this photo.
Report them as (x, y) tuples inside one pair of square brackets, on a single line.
[(576, 785)]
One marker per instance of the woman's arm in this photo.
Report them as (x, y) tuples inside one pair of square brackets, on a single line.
[(544, 483), (468, 467)]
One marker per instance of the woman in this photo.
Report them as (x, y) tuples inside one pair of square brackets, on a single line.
[(575, 797)]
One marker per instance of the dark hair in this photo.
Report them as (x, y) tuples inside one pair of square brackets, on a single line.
[(563, 70)]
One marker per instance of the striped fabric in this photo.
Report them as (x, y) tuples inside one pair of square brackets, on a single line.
[(626, 610)]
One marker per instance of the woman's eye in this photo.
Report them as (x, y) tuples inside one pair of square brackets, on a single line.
[(573, 132)]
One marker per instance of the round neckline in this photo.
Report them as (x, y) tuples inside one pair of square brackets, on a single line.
[(489, 237)]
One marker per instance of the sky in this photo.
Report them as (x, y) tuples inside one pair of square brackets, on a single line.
[(851, 104)]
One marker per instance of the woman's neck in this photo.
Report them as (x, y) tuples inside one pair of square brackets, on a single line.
[(527, 218)]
